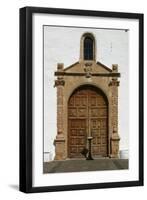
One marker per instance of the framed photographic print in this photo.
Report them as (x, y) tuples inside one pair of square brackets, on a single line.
[(81, 99)]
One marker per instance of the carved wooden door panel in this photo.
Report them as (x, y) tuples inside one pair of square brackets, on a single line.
[(77, 125), (87, 116), (98, 117)]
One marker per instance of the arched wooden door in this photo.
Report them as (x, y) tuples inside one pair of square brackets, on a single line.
[(87, 116)]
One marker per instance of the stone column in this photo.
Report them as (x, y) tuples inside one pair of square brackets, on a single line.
[(114, 139), (59, 142)]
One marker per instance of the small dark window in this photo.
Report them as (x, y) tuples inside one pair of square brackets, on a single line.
[(88, 48)]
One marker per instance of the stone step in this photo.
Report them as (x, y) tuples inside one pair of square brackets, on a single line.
[(85, 165)]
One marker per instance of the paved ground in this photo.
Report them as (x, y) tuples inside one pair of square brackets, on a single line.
[(85, 165)]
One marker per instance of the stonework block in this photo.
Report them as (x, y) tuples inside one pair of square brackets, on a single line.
[(60, 66), (59, 149)]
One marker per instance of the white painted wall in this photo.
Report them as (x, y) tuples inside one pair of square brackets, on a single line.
[(62, 44), (9, 111)]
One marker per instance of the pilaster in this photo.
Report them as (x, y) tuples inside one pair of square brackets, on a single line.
[(59, 142), (114, 139)]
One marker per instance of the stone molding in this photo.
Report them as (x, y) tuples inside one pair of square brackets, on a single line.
[(63, 73)]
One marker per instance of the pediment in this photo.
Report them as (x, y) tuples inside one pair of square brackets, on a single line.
[(96, 67)]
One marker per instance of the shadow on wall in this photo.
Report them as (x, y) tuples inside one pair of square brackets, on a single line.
[(14, 187)]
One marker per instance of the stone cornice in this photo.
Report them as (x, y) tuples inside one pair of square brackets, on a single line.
[(63, 73)]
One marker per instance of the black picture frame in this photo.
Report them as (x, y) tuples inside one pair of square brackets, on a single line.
[(26, 96)]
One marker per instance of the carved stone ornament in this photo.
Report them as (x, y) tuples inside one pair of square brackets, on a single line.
[(114, 82), (88, 69), (59, 81)]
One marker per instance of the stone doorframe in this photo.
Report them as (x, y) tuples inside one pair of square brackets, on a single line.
[(63, 93)]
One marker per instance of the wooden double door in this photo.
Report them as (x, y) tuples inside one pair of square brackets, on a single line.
[(87, 116)]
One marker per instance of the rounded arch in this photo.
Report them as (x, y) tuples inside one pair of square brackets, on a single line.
[(91, 85), (88, 47)]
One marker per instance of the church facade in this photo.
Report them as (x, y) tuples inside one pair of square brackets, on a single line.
[(87, 105)]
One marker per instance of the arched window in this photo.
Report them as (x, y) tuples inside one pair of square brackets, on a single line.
[(88, 48)]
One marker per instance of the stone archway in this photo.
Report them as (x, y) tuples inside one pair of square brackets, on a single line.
[(87, 116)]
